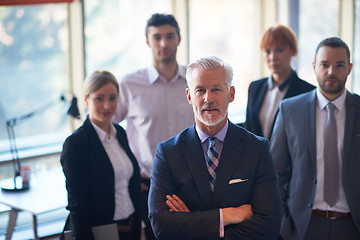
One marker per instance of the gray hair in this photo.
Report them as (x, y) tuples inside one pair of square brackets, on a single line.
[(207, 63)]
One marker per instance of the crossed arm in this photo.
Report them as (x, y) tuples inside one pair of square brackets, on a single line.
[(231, 215), (171, 218)]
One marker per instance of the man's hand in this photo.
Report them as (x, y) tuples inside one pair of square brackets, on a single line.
[(231, 215), (176, 204), (235, 215), (144, 187)]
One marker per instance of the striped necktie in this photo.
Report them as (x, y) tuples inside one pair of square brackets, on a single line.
[(212, 161)]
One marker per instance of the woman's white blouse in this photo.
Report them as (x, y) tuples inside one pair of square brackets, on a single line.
[(123, 171)]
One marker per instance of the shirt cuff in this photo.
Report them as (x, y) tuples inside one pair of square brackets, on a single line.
[(221, 224)]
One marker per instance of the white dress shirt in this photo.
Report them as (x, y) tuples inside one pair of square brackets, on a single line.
[(270, 105), (154, 110), (321, 113), (123, 170)]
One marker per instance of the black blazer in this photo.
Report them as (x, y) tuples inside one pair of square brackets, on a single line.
[(90, 179), (256, 94)]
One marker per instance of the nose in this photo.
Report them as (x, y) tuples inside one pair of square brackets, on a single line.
[(208, 98), (272, 55), (106, 105), (331, 70), (163, 42)]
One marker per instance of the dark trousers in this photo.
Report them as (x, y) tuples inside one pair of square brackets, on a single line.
[(135, 231), (321, 228), (145, 194)]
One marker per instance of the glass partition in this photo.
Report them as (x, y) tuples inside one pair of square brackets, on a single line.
[(33, 73), (356, 52), (227, 30), (318, 19)]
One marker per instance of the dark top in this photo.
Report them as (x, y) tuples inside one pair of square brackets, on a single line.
[(90, 179), (180, 168), (256, 95)]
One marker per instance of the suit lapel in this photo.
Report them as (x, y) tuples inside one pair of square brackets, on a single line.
[(195, 159), (230, 155), (258, 102), (349, 125), (293, 86), (310, 126), (100, 158)]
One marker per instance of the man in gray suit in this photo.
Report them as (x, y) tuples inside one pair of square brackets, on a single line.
[(215, 179), (316, 148)]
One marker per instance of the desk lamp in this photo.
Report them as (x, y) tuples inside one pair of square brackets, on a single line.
[(18, 184)]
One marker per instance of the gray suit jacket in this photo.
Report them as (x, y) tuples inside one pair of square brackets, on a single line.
[(180, 168), (293, 146)]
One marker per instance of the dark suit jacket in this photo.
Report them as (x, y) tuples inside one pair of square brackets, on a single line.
[(293, 146), (256, 95), (90, 179), (179, 168)]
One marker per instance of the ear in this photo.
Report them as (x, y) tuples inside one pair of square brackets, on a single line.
[(147, 41), (86, 101), (232, 94), (314, 64), (350, 67), (188, 95)]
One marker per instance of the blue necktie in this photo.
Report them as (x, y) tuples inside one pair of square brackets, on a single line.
[(212, 161), (331, 158)]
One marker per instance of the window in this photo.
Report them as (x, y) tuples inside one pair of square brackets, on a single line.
[(33, 71), (318, 19), (115, 34), (356, 52), (227, 30)]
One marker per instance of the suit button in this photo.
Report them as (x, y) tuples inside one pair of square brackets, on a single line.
[(315, 181), (310, 205)]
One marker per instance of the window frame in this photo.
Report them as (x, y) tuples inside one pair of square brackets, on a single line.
[(30, 2)]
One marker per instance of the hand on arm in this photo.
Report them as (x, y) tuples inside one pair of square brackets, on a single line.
[(235, 215), (176, 204), (232, 215), (144, 188)]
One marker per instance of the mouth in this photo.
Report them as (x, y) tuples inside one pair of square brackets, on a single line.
[(209, 110), (106, 114), (164, 52), (331, 80)]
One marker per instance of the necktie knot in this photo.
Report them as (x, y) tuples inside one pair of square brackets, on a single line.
[(212, 141), (330, 108)]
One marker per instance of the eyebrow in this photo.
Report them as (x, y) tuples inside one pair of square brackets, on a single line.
[(326, 61), (167, 34), (212, 86)]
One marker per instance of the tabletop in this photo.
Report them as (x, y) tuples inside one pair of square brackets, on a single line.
[(47, 192)]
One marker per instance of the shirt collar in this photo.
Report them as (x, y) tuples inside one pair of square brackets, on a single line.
[(102, 134), (154, 75), (284, 84), (220, 135), (338, 102)]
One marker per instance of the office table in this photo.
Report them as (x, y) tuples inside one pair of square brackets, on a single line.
[(47, 193)]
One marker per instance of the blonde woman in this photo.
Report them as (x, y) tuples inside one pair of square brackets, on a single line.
[(102, 174)]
